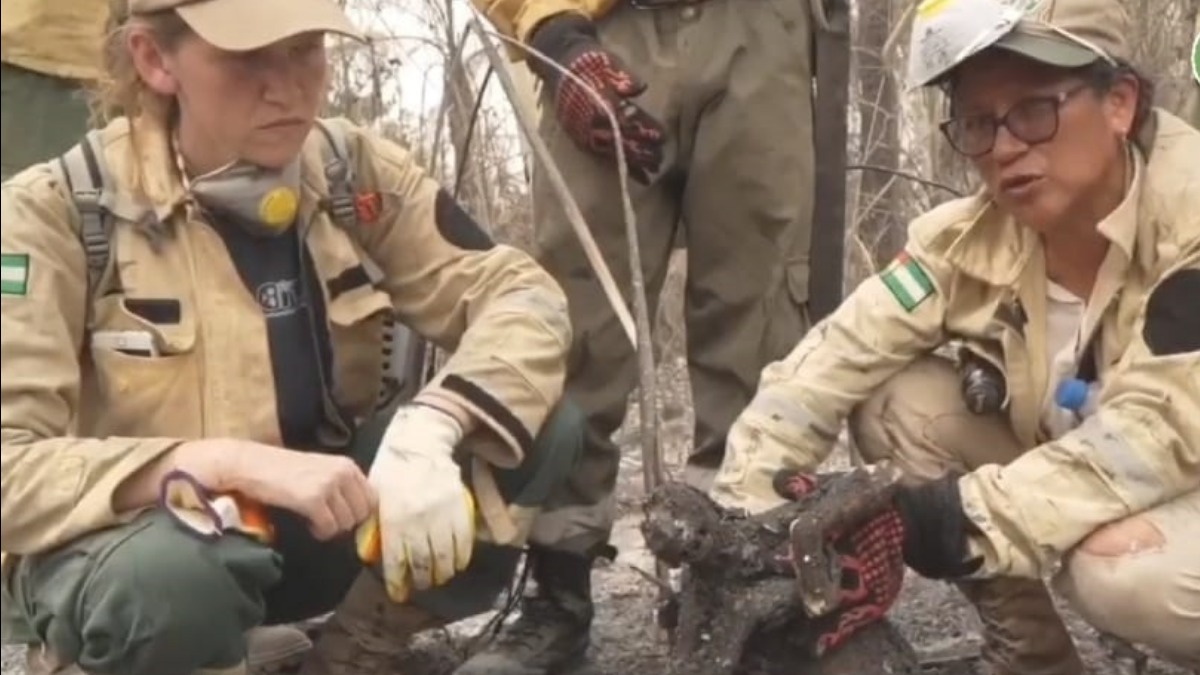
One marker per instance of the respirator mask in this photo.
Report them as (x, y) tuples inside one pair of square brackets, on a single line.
[(261, 200)]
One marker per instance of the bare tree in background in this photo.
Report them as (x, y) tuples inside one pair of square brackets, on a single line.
[(879, 189)]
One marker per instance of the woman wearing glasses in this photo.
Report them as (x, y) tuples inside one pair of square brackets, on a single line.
[(1063, 440)]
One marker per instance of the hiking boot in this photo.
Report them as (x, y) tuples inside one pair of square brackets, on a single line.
[(367, 632), (1023, 633), (552, 633)]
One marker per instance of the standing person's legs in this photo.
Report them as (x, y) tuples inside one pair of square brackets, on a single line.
[(553, 630), (748, 202), (42, 117), (919, 420)]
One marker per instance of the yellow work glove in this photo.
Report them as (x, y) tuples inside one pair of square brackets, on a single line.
[(426, 522)]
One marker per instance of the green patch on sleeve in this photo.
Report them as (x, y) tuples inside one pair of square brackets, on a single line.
[(1196, 59), (14, 274), (908, 281)]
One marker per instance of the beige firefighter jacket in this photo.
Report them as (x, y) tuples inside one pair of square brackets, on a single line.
[(78, 418), (62, 38), (971, 273)]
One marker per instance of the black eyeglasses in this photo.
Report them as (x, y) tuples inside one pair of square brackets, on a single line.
[(1033, 120)]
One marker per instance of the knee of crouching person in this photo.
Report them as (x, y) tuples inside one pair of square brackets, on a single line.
[(897, 413), (919, 419), (162, 601), (1125, 580)]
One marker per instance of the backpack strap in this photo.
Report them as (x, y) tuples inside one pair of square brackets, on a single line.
[(88, 179), (340, 176), (403, 351)]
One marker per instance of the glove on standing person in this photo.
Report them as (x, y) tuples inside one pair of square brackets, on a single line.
[(571, 40), (426, 514), (925, 529)]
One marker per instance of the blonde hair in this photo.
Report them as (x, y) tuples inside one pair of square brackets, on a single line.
[(121, 91)]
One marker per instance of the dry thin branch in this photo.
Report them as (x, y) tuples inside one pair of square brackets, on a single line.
[(652, 470), (574, 215), (447, 96), (904, 174), (638, 331)]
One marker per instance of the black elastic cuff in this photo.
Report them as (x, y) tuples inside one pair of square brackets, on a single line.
[(493, 408), (936, 529), (560, 37), (457, 226)]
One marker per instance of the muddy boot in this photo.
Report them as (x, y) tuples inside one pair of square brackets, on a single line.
[(551, 635), (366, 633), (1023, 633)]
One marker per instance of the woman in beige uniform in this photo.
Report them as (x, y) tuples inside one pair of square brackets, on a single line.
[(208, 331), (1072, 278)]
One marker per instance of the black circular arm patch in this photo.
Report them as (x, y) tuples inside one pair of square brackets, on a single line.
[(1173, 315)]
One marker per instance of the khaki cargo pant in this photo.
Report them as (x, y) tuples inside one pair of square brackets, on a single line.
[(731, 80), (42, 117), (149, 599), (1137, 579)]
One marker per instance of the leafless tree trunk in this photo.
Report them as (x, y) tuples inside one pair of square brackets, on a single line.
[(877, 218), (459, 105)]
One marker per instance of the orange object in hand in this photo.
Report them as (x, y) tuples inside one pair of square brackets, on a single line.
[(254, 518), (368, 542), (209, 515)]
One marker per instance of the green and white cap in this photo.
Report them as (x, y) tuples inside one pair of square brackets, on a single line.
[(1062, 33)]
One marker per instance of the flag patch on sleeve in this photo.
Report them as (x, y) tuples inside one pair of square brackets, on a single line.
[(908, 281), (14, 274)]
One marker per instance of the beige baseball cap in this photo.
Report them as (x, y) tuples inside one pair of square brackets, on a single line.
[(1072, 33), (1064, 33), (243, 25)]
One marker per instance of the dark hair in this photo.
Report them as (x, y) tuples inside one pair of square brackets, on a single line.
[(1102, 75)]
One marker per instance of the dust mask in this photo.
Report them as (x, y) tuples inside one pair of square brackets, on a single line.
[(264, 201)]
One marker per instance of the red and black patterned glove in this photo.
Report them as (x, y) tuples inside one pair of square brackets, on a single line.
[(872, 562), (925, 529), (571, 40)]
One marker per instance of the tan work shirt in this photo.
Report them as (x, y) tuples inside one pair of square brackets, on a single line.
[(79, 418), (62, 38), (971, 273)]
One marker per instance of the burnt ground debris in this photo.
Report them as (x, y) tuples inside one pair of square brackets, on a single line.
[(929, 615)]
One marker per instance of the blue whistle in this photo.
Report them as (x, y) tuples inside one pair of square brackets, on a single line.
[(1072, 394)]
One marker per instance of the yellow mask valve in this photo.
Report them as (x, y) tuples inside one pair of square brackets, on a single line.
[(278, 208)]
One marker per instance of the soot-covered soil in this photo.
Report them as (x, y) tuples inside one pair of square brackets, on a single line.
[(930, 615)]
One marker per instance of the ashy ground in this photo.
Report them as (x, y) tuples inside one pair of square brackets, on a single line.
[(932, 616)]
